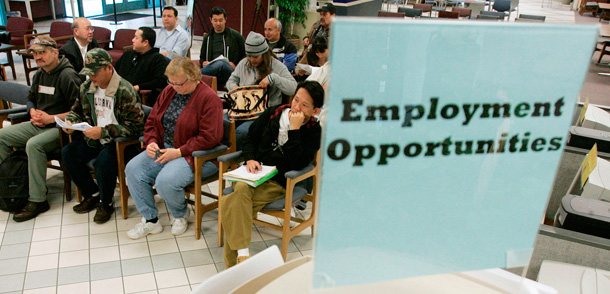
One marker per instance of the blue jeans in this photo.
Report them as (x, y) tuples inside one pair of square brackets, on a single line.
[(170, 179), (222, 70)]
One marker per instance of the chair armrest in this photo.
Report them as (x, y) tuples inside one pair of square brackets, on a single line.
[(211, 151), (61, 38), (13, 110), (230, 157), (125, 139), (297, 173), (126, 48), (18, 116), (104, 42)]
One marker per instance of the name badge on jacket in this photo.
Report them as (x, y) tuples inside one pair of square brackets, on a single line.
[(46, 90)]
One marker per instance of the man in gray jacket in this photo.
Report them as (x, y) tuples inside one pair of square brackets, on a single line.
[(54, 89)]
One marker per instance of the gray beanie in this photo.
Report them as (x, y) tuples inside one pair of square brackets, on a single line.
[(256, 44)]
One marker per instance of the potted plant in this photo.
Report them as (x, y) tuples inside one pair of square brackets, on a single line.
[(292, 12)]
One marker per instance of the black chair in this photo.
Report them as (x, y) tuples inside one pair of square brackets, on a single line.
[(540, 18), (13, 93), (410, 12), (492, 15)]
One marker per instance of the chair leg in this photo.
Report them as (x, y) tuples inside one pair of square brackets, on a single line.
[(601, 53), (124, 208), (198, 215)]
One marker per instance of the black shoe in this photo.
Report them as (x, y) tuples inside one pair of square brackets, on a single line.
[(301, 205), (31, 210), (87, 205), (103, 213)]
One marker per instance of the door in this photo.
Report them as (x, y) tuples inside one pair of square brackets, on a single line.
[(123, 5)]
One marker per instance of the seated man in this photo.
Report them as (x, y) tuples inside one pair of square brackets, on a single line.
[(172, 40), (112, 107), (143, 66), (54, 88), (285, 136), (320, 28), (221, 41), (76, 48), (283, 48)]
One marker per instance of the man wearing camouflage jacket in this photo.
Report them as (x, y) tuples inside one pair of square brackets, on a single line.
[(112, 107)]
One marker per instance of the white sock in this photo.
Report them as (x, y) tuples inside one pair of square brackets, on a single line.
[(243, 252)]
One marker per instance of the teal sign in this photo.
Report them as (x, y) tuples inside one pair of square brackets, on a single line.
[(441, 144)]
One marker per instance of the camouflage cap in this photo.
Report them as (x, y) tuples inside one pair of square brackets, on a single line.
[(95, 59), (41, 43)]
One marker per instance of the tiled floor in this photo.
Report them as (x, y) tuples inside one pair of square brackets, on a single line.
[(64, 252)]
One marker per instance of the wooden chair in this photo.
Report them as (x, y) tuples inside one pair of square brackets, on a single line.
[(381, 13), (463, 12), (18, 27), (424, 8), (200, 157), (121, 43), (121, 144), (588, 6), (297, 188), (102, 36), (60, 29), (448, 14)]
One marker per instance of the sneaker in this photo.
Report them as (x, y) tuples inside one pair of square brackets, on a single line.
[(179, 225), (31, 210), (87, 205), (143, 228), (103, 213)]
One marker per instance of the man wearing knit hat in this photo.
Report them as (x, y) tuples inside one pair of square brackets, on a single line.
[(260, 67), (54, 89), (112, 107)]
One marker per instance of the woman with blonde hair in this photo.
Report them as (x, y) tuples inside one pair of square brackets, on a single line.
[(186, 117)]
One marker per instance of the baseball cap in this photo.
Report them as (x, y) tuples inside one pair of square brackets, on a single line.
[(328, 7), (95, 59), (41, 43)]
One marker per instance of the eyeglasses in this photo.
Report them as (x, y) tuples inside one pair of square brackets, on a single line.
[(90, 29), (177, 85)]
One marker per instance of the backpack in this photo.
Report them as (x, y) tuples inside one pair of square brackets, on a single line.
[(247, 102), (14, 189)]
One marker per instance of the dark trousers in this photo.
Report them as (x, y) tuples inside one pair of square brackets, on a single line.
[(77, 154)]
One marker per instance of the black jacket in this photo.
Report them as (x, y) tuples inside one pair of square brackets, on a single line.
[(234, 41), (144, 70), (298, 152), (72, 53)]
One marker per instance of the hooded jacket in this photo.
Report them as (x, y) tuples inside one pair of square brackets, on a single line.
[(54, 92)]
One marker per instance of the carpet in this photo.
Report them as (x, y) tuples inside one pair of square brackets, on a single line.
[(121, 16)]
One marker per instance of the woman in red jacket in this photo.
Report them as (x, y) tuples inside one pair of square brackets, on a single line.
[(186, 117)]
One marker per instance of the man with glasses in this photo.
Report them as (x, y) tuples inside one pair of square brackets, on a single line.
[(54, 89), (82, 41), (320, 28), (144, 66), (172, 40), (111, 106)]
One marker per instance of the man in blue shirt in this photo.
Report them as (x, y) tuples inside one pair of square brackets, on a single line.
[(172, 40)]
